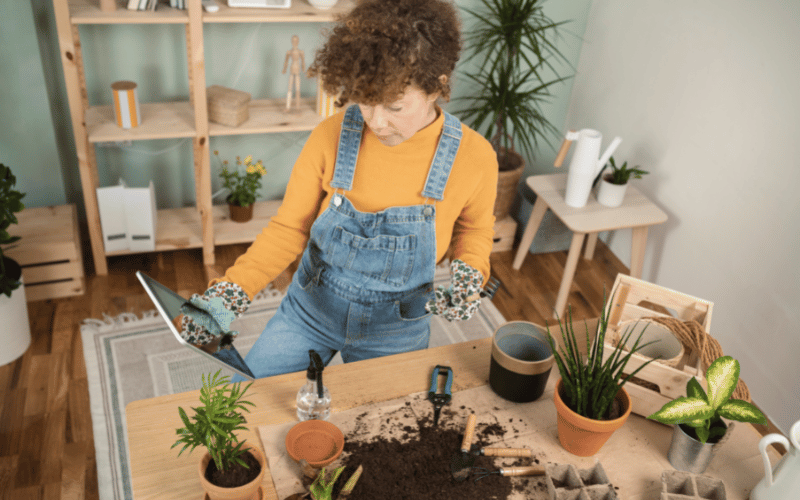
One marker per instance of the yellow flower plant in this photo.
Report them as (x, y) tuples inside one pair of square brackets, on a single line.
[(242, 186)]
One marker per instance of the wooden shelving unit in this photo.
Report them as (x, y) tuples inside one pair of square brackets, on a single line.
[(204, 225)]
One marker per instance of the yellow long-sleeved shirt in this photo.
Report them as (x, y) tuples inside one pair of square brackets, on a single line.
[(384, 177)]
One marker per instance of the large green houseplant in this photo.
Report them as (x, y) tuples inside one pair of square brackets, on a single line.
[(15, 329), (10, 203), (510, 67), (226, 469), (589, 386)]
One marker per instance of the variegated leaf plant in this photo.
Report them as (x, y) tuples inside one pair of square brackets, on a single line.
[(703, 411)]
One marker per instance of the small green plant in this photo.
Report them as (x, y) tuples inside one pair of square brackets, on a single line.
[(10, 203), (214, 423), (322, 487), (703, 411), (242, 186), (590, 386), (621, 175)]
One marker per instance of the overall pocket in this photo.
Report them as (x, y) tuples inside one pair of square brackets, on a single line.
[(386, 258)]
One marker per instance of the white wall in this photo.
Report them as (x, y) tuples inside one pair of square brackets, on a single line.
[(705, 96)]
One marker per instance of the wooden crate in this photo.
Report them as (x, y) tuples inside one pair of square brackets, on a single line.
[(632, 299), (49, 252), (504, 232)]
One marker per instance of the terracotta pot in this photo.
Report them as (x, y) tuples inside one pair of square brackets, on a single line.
[(247, 492), (507, 181), (583, 436), (241, 214)]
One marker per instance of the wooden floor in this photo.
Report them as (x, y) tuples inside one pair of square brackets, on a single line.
[(46, 445)]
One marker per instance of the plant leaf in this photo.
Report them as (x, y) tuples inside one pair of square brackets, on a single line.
[(695, 390), (681, 410), (741, 411), (722, 377)]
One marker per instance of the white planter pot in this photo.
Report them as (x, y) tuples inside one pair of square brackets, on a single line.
[(15, 328), (611, 195)]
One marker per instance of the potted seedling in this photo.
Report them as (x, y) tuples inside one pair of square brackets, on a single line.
[(327, 483), (613, 185), (511, 57), (15, 331), (230, 469), (590, 400), (698, 416)]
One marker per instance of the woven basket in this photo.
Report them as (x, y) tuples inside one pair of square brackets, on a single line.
[(507, 182)]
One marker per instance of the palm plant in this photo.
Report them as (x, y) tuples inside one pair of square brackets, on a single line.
[(214, 423), (514, 42), (591, 385)]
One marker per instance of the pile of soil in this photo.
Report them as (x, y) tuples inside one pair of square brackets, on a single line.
[(417, 466)]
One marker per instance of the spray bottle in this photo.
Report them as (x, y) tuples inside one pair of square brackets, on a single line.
[(313, 399)]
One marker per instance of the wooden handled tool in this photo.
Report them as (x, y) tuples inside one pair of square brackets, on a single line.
[(463, 459), (529, 470), (507, 452), (469, 433)]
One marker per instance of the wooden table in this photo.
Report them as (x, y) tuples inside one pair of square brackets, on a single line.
[(158, 473), (636, 212)]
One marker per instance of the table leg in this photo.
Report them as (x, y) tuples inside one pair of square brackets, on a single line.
[(535, 220), (591, 243), (638, 246), (569, 273)]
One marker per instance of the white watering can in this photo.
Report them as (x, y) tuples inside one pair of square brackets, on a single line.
[(782, 482), (585, 165)]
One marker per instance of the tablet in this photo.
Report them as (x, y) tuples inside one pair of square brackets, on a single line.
[(169, 305)]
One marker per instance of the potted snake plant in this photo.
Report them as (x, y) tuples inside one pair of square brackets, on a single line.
[(590, 399), (699, 427), (230, 469), (15, 331), (510, 54)]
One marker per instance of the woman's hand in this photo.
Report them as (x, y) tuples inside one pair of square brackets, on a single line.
[(459, 301), (207, 318)]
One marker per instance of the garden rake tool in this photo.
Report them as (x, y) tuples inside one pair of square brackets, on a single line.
[(461, 464), (488, 291)]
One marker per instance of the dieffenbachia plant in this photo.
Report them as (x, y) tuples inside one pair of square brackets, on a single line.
[(704, 411)]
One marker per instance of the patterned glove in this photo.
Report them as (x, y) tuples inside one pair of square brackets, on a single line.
[(208, 317), (461, 299)]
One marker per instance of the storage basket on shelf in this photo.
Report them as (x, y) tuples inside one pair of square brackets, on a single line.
[(227, 106)]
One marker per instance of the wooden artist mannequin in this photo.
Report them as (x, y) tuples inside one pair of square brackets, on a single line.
[(298, 66)]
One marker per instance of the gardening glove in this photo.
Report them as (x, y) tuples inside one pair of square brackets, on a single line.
[(459, 301), (207, 318)]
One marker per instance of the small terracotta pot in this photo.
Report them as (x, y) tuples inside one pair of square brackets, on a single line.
[(583, 436), (247, 492), (241, 214)]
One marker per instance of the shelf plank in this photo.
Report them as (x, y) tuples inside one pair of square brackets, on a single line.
[(269, 116), (161, 120), (88, 12), (179, 228), (300, 12)]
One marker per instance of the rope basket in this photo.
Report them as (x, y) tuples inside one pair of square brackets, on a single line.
[(695, 339)]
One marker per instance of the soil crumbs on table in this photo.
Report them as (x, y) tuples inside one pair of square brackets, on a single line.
[(417, 466)]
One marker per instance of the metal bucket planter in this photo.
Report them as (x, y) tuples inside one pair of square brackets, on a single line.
[(688, 454)]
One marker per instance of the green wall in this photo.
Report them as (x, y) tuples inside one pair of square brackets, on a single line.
[(36, 137)]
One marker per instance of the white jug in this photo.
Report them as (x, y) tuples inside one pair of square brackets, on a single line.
[(783, 482), (585, 165)]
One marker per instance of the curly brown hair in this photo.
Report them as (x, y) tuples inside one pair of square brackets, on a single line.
[(381, 46)]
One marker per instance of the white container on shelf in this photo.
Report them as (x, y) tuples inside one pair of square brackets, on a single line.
[(322, 4)]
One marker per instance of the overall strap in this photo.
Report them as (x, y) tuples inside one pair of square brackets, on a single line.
[(443, 160), (349, 144)]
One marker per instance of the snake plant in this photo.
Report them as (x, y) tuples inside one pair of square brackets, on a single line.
[(704, 411), (591, 385)]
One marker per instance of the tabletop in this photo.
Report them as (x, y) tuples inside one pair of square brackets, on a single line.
[(636, 209), (158, 473)]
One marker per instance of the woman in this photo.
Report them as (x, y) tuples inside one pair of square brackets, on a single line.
[(376, 197)]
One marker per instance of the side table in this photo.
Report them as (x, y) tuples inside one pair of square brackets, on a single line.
[(636, 212)]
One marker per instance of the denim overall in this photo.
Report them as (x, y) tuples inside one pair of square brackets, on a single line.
[(364, 278)]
